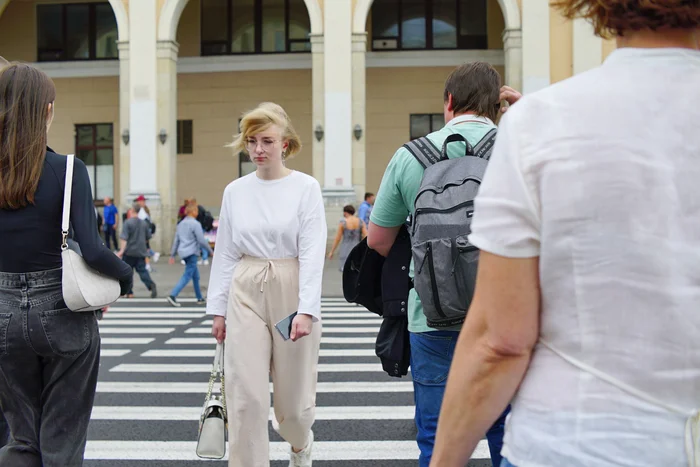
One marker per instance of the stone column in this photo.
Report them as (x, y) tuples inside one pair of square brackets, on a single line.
[(359, 83), (167, 152), (318, 97), (143, 108), (513, 49), (124, 127), (535, 42), (337, 71)]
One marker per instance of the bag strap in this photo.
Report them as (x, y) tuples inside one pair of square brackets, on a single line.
[(67, 193), (424, 151), (485, 146)]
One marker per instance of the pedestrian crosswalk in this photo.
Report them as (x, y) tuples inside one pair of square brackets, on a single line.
[(154, 372)]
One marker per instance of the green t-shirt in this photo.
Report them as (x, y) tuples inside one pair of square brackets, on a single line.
[(399, 187)]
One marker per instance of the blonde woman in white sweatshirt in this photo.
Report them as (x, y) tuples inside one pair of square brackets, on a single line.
[(268, 264)]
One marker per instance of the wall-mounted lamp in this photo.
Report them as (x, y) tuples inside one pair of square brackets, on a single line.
[(357, 131), (125, 136), (318, 132), (163, 136)]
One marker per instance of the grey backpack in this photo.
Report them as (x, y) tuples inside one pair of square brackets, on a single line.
[(445, 263)]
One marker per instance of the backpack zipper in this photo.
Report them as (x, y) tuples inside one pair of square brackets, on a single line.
[(444, 187), (433, 281), (453, 208)]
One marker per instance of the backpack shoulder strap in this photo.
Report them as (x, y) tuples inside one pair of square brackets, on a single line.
[(485, 146), (424, 151)]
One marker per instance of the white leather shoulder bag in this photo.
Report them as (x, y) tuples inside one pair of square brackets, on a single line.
[(213, 424), (84, 289)]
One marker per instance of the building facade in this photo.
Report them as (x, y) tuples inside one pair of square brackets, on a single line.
[(151, 91)]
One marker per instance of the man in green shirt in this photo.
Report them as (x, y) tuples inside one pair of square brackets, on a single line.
[(471, 106)]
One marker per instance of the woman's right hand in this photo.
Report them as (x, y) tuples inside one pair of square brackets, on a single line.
[(218, 329)]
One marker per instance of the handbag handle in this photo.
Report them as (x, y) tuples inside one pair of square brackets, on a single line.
[(67, 193), (219, 359), (217, 371)]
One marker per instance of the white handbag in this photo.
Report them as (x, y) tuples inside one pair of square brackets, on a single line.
[(84, 289), (213, 424)]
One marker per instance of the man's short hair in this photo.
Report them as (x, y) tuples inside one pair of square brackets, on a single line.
[(368, 195), (474, 87), (190, 209)]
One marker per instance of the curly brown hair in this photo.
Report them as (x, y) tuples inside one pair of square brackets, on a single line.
[(612, 18)]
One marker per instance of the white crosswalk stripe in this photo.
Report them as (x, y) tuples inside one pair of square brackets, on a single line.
[(154, 374)]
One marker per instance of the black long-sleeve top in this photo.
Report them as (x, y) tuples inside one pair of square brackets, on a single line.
[(30, 237)]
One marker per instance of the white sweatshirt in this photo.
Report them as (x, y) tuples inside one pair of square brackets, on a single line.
[(273, 219)]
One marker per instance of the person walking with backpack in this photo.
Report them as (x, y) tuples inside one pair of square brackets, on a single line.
[(189, 240), (471, 106), (49, 354)]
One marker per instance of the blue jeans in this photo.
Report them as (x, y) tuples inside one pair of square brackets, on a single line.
[(431, 356), (205, 254), (110, 233), (191, 273), (506, 463)]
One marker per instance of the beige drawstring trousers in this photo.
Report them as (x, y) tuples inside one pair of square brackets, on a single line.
[(263, 292)]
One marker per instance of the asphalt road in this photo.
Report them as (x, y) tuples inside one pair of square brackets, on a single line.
[(155, 368)]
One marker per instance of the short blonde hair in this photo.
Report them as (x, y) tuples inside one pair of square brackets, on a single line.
[(260, 119)]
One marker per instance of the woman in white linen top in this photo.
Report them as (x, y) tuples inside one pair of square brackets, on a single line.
[(587, 305), (268, 264)]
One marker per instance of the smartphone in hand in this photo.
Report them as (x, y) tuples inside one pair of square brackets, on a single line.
[(285, 326)]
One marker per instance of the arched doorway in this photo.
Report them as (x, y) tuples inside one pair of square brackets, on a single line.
[(214, 79), (408, 60), (511, 35), (172, 10)]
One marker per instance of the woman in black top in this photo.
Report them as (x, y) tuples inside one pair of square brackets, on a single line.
[(49, 355)]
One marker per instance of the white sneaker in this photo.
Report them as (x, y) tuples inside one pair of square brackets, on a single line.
[(199, 262), (156, 257), (205, 262), (302, 458)]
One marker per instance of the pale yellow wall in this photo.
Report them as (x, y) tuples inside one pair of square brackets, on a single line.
[(561, 58), (389, 106), (18, 32), (188, 31), (215, 102), (85, 101), (608, 47), (496, 24)]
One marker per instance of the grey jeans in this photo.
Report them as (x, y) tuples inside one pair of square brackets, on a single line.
[(49, 360)]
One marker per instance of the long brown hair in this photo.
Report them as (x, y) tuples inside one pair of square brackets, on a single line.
[(25, 95)]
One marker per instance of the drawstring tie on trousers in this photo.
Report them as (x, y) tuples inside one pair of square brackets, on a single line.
[(692, 422), (263, 275)]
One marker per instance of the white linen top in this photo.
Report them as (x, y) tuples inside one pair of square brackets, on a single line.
[(599, 176), (271, 219)]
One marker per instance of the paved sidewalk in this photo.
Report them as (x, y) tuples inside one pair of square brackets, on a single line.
[(166, 276)]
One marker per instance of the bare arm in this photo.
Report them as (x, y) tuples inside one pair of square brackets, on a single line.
[(381, 239), (492, 355), (338, 238)]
